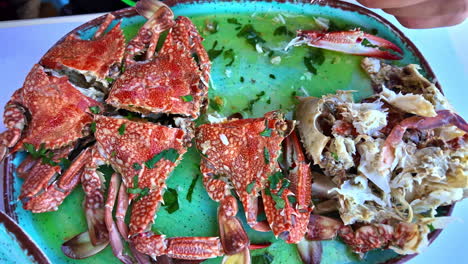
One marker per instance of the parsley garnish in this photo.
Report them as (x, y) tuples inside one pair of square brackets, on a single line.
[(229, 54), (187, 98), (213, 53), (250, 187), (217, 103), (335, 156), (122, 129), (95, 109), (137, 166), (113, 153), (272, 76), (266, 132), (315, 57), (169, 154), (106, 170), (171, 202), (292, 199), (93, 127), (251, 35), (284, 184), (35, 153), (431, 227), (366, 43), (241, 79), (266, 155), (233, 21), (192, 186), (258, 96), (279, 203), (109, 79), (129, 2), (282, 30), (265, 258), (46, 156), (274, 179)]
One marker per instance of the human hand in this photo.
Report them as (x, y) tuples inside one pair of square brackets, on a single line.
[(423, 13)]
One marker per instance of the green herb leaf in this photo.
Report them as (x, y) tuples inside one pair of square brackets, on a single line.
[(109, 79), (274, 179), (95, 109), (314, 57), (252, 36), (431, 227), (292, 199), (250, 187), (106, 170), (279, 202), (213, 53), (217, 103), (169, 154), (282, 30), (187, 98), (229, 54), (64, 163), (122, 129), (192, 186), (137, 166), (134, 190), (309, 65), (272, 76), (171, 201), (155, 230), (284, 184), (241, 79), (233, 21), (135, 181), (258, 96), (266, 132), (335, 156), (366, 43), (265, 258), (266, 155), (122, 69), (113, 153), (93, 127)]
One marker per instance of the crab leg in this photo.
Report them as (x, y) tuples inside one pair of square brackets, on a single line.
[(14, 120), (114, 236), (54, 194), (290, 221), (352, 42), (444, 117)]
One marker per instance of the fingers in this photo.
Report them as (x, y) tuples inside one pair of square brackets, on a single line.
[(433, 22), (423, 13), (429, 9)]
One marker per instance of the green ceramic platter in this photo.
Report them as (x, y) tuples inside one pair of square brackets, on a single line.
[(245, 81)]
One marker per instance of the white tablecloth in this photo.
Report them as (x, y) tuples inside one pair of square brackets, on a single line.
[(446, 49)]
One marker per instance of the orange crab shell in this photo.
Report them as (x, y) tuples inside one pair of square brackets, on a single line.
[(169, 83), (233, 149), (128, 145), (59, 112), (94, 56)]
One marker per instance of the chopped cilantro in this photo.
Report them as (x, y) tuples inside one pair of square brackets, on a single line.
[(335, 156), (268, 101), (122, 129), (35, 153), (279, 202), (315, 57), (258, 96), (169, 154), (272, 76), (250, 187), (284, 184), (109, 79), (266, 132), (241, 79), (233, 21), (171, 202), (251, 35), (93, 127), (106, 170), (309, 66), (431, 227), (155, 230), (137, 166), (366, 43), (64, 163), (266, 155), (265, 258), (134, 190), (217, 103), (192, 186), (187, 98), (274, 179), (129, 2), (213, 53), (113, 153), (292, 199), (95, 109), (229, 54), (122, 69), (282, 30)]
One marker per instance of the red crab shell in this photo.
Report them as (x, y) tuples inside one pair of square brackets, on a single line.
[(59, 112), (94, 56), (137, 143), (169, 83), (233, 148)]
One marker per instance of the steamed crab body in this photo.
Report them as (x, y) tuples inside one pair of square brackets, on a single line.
[(32, 122), (97, 60), (171, 82), (240, 156), (354, 42)]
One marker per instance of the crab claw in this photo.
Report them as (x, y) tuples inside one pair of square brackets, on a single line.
[(352, 42)]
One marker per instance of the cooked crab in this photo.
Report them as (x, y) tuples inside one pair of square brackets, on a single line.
[(394, 158), (241, 156)]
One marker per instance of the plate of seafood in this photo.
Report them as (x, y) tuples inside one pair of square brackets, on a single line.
[(233, 132)]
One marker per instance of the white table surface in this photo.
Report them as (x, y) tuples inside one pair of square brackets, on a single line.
[(446, 49)]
